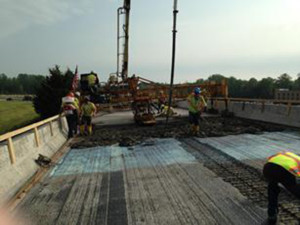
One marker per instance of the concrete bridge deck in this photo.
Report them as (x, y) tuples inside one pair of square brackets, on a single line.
[(160, 183)]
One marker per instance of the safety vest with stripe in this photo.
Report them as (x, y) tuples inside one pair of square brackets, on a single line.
[(287, 160), (196, 104)]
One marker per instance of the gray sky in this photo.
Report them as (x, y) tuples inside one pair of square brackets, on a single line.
[(241, 38)]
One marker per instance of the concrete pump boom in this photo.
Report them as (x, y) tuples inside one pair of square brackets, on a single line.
[(123, 39)]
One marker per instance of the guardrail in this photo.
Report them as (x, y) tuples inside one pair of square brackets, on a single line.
[(275, 101), (288, 103), (9, 136)]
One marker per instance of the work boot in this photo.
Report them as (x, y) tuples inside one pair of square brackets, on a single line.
[(82, 128), (197, 128), (272, 217), (272, 220), (90, 130), (192, 129)]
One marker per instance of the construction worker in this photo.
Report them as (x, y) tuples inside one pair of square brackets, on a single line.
[(92, 81), (77, 105), (165, 109), (77, 99), (196, 104), (161, 101), (283, 168), (87, 110), (71, 111)]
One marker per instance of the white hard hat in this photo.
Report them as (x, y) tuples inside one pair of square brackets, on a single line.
[(67, 99)]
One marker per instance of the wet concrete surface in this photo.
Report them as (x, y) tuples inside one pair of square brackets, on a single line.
[(247, 179), (131, 134)]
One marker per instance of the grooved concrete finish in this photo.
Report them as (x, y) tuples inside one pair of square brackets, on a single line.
[(255, 149), (159, 182)]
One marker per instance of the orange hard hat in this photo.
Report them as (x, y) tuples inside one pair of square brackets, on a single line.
[(70, 94)]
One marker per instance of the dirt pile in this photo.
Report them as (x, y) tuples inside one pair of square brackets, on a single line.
[(130, 135)]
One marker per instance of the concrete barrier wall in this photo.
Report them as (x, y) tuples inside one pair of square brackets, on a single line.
[(273, 113), (14, 176)]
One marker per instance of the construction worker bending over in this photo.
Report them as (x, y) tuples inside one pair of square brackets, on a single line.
[(71, 111), (165, 109), (196, 104), (88, 109), (283, 168)]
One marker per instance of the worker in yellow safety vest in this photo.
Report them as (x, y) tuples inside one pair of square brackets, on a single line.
[(92, 79), (165, 109), (77, 105), (284, 168), (77, 99), (87, 111), (196, 104)]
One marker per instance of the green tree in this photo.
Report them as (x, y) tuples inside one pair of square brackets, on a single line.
[(284, 81), (48, 97), (251, 88), (29, 83), (200, 81), (265, 88), (236, 87), (3, 83), (23, 84), (297, 83), (216, 77)]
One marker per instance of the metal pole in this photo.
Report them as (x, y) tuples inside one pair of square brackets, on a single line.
[(126, 47), (175, 11), (118, 41)]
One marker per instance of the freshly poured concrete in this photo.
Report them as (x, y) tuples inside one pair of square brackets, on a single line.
[(255, 149), (155, 183)]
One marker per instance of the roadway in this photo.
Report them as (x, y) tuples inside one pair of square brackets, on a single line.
[(165, 181)]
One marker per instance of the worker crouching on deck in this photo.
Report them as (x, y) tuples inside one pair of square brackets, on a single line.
[(196, 105), (87, 111), (283, 168)]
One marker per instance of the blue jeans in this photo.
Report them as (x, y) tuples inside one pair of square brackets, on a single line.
[(194, 118)]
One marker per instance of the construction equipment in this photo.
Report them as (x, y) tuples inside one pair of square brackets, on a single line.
[(123, 39), (136, 92)]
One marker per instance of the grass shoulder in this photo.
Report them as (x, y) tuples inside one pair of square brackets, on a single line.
[(16, 114)]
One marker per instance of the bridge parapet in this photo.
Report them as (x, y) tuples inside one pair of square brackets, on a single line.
[(284, 112), (19, 148)]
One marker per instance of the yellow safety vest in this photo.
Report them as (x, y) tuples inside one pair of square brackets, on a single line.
[(91, 79), (195, 104), (287, 160), (76, 103), (87, 109)]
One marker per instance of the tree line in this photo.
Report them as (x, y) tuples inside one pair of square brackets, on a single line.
[(22, 84), (253, 88)]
